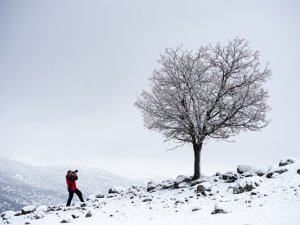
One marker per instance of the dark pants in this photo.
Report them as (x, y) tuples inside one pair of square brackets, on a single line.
[(71, 193)]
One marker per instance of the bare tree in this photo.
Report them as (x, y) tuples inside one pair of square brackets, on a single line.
[(215, 92)]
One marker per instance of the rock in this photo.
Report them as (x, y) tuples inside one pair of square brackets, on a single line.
[(147, 200), (245, 185), (151, 186), (74, 216), (28, 209), (219, 209), (168, 184), (205, 186), (244, 168), (65, 221), (99, 195), (196, 209), (229, 177), (286, 161), (183, 185), (195, 182), (275, 170), (218, 174), (89, 214), (113, 191), (249, 173), (182, 178), (260, 172)]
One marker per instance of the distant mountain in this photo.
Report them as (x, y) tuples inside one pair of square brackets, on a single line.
[(22, 184)]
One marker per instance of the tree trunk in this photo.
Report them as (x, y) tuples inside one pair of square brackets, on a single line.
[(197, 156)]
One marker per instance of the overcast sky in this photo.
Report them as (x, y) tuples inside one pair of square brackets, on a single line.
[(70, 72)]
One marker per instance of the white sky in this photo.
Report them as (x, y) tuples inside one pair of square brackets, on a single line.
[(70, 72)]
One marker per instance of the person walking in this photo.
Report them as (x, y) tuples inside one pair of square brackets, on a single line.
[(71, 178)]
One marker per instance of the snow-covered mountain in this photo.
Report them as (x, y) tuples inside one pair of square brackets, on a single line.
[(22, 184), (248, 196)]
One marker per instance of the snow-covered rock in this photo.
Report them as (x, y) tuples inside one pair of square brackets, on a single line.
[(182, 178), (287, 161), (229, 177), (28, 209), (247, 184), (220, 208)]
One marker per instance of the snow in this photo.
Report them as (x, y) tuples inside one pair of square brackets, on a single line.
[(274, 200)]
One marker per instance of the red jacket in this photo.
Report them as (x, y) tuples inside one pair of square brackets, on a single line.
[(71, 183)]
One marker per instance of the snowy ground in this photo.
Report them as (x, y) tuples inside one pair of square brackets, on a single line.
[(244, 198)]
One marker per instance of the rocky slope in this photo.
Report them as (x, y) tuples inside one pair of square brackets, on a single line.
[(246, 196)]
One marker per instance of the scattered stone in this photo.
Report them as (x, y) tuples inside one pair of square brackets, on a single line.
[(182, 178), (151, 186), (89, 214), (66, 220), (244, 168), (168, 185), (218, 174), (147, 200), (183, 185), (83, 204), (99, 195), (229, 177), (203, 187), (249, 173), (219, 209), (28, 209), (75, 216), (114, 191), (245, 185), (196, 209), (274, 170), (195, 182), (286, 161)]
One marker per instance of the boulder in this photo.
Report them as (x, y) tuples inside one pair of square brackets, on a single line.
[(298, 171), (168, 184), (182, 185), (203, 188), (182, 178), (195, 182), (286, 161), (28, 209), (244, 168), (151, 186), (247, 184), (274, 169), (229, 177)]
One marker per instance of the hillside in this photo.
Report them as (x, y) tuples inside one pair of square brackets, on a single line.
[(22, 184), (248, 196)]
